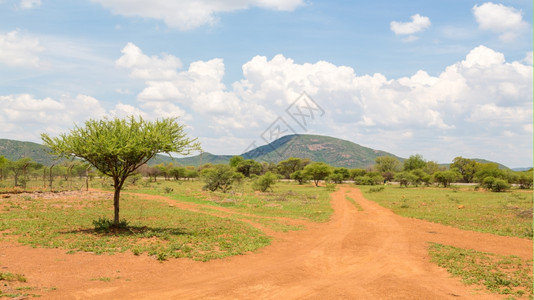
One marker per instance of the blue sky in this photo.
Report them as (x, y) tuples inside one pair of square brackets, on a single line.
[(438, 78)]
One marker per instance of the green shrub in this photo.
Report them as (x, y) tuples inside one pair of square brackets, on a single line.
[(376, 189), (104, 224), (500, 185), (331, 187), (265, 182)]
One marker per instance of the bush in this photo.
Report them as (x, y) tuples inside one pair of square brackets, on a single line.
[(488, 182), (370, 178), (376, 189), (104, 224), (500, 185), (265, 182), (446, 177), (220, 177), (336, 178), (525, 180), (299, 176), (331, 187)]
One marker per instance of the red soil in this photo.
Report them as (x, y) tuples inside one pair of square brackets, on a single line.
[(369, 254)]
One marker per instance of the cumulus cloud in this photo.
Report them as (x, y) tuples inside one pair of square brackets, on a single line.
[(29, 4), (505, 20), (145, 67), (528, 58), (466, 94), (18, 50), (25, 117), (199, 88), (186, 15), (418, 24), (469, 105)]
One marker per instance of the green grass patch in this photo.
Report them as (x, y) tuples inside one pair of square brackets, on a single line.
[(103, 279), (289, 200), (154, 228), (12, 277), (358, 206), (507, 214), (509, 275)]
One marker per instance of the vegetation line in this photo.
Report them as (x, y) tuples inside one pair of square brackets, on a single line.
[(351, 200)]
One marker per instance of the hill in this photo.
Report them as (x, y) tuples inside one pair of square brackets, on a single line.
[(14, 150), (333, 151), (196, 160)]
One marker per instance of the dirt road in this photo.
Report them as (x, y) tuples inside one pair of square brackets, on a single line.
[(369, 254)]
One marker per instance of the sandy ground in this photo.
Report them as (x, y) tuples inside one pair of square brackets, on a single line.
[(369, 254)]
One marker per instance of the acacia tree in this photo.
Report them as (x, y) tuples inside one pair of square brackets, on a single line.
[(118, 147), (317, 171)]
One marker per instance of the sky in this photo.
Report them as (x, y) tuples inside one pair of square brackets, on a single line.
[(441, 78)]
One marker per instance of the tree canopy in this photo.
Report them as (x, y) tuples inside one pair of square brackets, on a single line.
[(118, 147), (317, 171)]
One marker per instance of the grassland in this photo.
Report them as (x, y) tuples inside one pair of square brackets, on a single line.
[(76, 223), (500, 274), (507, 214), (288, 200)]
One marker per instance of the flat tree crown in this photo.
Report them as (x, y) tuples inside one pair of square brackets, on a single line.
[(117, 147)]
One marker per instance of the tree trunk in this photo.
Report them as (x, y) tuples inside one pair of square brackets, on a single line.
[(117, 184), (51, 178), (116, 197), (16, 175), (87, 179)]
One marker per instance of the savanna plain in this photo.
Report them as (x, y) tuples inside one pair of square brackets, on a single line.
[(296, 241)]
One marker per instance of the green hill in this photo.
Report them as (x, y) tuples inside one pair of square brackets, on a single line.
[(333, 151), (14, 150), (196, 160)]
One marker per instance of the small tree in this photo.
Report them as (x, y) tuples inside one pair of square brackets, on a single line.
[(405, 178), (525, 180), (248, 167), (466, 167), (265, 182), (317, 171), (118, 147), (356, 173), (219, 177), (446, 177), (387, 164), (3, 163), (291, 165), (414, 162), (299, 176)]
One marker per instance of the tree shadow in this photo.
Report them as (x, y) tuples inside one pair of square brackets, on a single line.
[(141, 231)]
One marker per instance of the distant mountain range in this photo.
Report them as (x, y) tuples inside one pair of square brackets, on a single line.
[(333, 151), (14, 150)]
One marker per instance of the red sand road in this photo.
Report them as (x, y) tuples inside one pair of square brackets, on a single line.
[(369, 254)]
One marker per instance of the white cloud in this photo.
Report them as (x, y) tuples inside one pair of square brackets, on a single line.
[(505, 20), (418, 24), (186, 15), (17, 50), (124, 110), (199, 88), (145, 67), (29, 4), (25, 117), (482, 96), (528, 58), (466, 94)]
